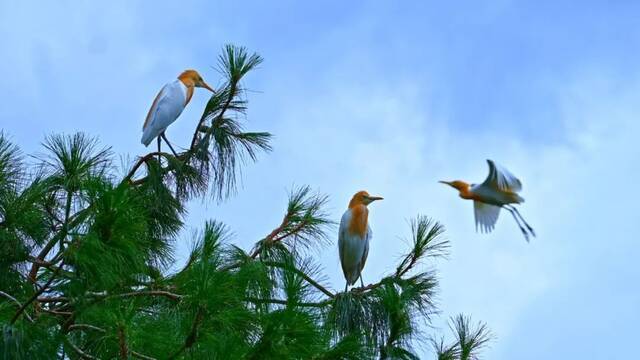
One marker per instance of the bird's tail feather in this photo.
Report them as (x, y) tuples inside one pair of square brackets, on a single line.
[(147, 137)]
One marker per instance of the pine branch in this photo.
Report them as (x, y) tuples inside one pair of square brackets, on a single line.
[(141, 356), (304, 220), (74, 221), (143, 160), (470, 340), (35, 295), (223, 134), (285, 302), (79, 351), (122, 342), (427, 242), (86, 326), (15, 301), (193, 334), (303, 275), (167, 294)]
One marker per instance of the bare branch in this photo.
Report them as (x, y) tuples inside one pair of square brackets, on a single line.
[(86, 326), (82, 354)]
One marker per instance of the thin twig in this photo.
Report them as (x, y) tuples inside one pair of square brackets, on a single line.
[(72, 222), (86, 326), (170, 295), (193, 334), (36, 294), (143, 160), (52, 299), (82, 354), (232, 94), (286, 302), (167, 294), (16, 302), (303, 275), (141, 356), (270, 238)]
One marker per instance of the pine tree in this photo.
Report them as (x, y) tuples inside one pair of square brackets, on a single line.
[(85, 255)]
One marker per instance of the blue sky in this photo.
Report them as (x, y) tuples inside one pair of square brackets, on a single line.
[(390, 97)]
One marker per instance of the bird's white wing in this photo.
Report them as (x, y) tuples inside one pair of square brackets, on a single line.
[(352, 248), (166, 108), (365, 254), (500, 178), (342, 233), (486, 216)]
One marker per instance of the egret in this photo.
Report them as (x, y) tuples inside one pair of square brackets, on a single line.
[(499, 190), (354, 236), (168, 105)]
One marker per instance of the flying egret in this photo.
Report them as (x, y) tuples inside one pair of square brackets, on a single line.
[(499, 190), (168, 105), (354, 237)]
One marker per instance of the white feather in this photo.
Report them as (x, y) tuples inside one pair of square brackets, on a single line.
[(486, 216), (353, 249), (500, 178), (165, 110)]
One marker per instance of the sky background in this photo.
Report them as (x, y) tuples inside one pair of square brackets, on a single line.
[(389, 97)]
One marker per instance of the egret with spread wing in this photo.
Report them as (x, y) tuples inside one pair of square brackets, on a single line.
[(499, 190), (354, 237), (168, 105)]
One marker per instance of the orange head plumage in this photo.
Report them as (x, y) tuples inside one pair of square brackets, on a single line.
[(360, 213), (191, 78), (461, 186), (362, 198)]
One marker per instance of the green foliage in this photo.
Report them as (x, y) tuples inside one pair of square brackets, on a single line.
[(468, 340), (86, 259)]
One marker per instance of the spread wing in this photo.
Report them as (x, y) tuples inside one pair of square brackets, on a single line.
[(166, 108), (500, 178), (486, 216)]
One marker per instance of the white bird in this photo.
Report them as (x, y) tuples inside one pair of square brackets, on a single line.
[(354, 236), (499, 190), (168, 105)]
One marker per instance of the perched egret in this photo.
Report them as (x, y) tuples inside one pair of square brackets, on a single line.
[(168, 105), (354, 237), (499, 190)]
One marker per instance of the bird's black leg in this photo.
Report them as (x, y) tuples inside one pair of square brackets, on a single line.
[(159, 158), (524, 221), (346, 285), (168, 143), (361, 282), (524, 231)]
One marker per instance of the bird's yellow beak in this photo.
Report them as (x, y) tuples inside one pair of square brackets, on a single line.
[(203, 84)]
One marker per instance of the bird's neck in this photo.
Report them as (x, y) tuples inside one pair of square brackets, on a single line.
[(465, 191), (359, 219), (187, 81), (189, 87)]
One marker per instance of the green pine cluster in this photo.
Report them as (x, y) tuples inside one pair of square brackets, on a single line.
[(86, 249)]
